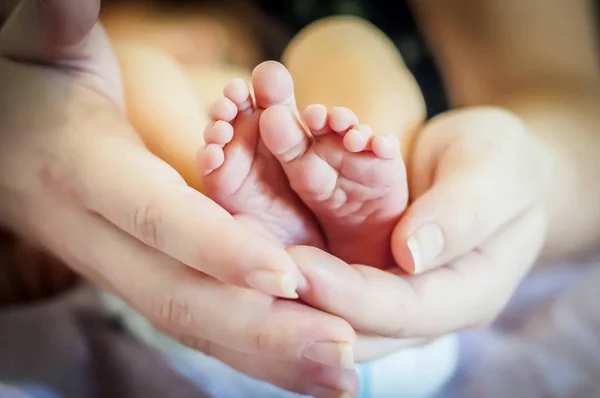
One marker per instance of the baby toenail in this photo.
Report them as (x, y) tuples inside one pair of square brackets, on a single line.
[(365, 130)]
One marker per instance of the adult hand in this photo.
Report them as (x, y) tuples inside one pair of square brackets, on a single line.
[(479, 176), (474, 228), (77, 179)]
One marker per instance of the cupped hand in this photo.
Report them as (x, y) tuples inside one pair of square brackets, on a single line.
[(473, 230), (77, 179), (480, 177)]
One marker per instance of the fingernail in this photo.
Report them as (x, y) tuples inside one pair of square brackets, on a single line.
[(278, 284), (324, 392), (330, 353), (425, 245)]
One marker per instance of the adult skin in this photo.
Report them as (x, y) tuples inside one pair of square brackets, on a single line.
[(77, 180), (507, 177), (526, 115), (480, 261)]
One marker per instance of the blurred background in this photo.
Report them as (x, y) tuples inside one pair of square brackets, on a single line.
[(238, 34)]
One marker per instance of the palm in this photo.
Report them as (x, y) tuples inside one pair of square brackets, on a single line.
[(483, 179), (83, 176)]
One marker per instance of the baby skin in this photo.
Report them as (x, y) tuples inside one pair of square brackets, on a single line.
[(320, 178)]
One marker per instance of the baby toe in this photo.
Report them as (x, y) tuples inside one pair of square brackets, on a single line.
[(386, 147), (219, 132), (315, 117), (341, 119), (239, 93), (223, 109), (210, 157), (358, 139)]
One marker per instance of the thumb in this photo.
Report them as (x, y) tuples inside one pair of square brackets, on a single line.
[(483, 181), (48, 31)]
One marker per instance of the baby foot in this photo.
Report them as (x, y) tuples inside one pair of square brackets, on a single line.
[(354, 182), (240, 174)]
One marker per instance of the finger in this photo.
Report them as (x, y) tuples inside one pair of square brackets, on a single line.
[(303, 377), (483, 182), (467, 293), (370, 348), (146, 198), (351, 292), (187, 303), (47, 30)]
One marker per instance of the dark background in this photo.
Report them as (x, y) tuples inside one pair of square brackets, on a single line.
[(392, 17)]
